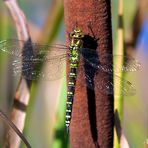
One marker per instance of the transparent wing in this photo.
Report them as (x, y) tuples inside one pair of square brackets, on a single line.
[(31, 70), (101, 80), (46, 52), (106, 86), (105, 63), (34, 55), (28, 50), (29, 59)]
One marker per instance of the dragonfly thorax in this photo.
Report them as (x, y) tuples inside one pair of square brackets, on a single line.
[(76, 43), (74, 54), (76, 37)]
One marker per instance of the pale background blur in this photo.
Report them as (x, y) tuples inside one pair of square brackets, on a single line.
[(46, 113)]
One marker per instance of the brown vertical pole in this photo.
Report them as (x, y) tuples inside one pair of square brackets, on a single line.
[(92, 116)]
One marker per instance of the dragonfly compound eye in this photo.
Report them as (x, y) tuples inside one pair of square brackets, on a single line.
[(77, 34)]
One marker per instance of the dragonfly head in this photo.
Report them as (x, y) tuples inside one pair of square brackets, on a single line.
[(76, 37), (76, 34)]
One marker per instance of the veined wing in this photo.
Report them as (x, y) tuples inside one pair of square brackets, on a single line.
[(129, 63), (29, 59), (105, 63), (28, 50), (101, 81), (106, 86), (31, 69)]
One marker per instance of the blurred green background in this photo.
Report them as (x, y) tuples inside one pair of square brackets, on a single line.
[(44, 126)]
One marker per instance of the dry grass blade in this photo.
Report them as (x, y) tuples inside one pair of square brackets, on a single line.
[(22, 95), (119, 50), (10, 123), (19, 19), (121, 137)]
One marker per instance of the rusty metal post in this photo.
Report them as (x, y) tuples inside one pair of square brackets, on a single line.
[(93, 115)]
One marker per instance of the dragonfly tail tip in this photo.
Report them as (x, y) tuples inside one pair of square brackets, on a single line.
[(67, 130)]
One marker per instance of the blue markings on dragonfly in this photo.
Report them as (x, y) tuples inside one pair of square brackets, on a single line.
[(28, 60)]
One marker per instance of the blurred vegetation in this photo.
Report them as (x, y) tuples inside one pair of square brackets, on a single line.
[(45, 125)]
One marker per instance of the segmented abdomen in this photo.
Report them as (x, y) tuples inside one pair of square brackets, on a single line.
[(70, 93)]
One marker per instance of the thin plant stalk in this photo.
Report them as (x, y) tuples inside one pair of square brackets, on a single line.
[(18, 116), (22, 94), (12, 125), (119, 50), (47, 35), (3, 24), (120, 135), (4, 32)]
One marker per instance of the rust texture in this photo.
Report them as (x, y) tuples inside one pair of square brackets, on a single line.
[(92, 116)]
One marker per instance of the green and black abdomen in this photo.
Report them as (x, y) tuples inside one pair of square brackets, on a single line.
[(76, 43), (70, 93)]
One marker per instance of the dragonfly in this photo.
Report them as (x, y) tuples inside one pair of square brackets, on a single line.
[(27, 61)]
